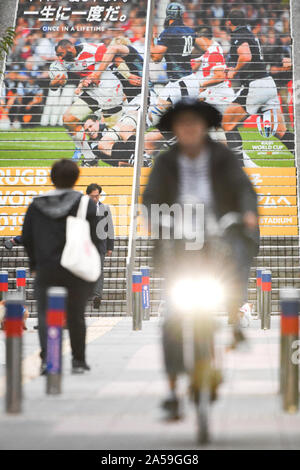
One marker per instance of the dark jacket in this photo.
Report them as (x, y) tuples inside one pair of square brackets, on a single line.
[(44, 229), (108, 243), (231, 188)]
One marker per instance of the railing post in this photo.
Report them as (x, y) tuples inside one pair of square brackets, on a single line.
[(55, 322), (258, 291), (145, 270), (266, 292), (21, 281), (13, 326), (289, 367), (137, 300), (4, 284)]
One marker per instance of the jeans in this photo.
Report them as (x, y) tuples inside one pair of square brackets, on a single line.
[(78, 294)]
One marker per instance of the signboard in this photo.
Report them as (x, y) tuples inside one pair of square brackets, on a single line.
[(73, 79)]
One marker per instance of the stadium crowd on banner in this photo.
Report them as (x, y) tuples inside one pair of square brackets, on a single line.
[(27, 71)]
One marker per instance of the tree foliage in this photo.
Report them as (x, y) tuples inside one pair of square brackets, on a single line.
[(6, 42)]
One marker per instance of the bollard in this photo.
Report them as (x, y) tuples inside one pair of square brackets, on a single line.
[(146, 292), (13, 326), (289, 369), (4, 284), (55, 322), (266, 304), (21, 281), (136, 300), (258, 292)]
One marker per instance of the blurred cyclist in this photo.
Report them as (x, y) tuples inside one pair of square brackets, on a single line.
[(206, 172)]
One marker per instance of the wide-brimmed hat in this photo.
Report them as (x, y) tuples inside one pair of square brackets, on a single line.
[(204, 110)]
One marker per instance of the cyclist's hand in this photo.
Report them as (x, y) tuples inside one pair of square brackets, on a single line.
[(250, 220)]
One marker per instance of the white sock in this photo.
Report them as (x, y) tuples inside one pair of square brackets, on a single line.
[(77, 138)]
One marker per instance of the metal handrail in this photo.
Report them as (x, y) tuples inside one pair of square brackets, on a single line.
[(138, 157)]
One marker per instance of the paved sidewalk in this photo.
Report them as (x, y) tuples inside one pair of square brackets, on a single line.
[(116, 405)]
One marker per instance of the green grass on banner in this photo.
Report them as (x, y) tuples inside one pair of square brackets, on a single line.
[(35, 147), (266, 152), (41, 146)]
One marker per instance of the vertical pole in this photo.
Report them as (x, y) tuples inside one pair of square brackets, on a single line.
[(4, 284), (136, 300), (295, 29), (138, 156), (266, 291), (289, 368), (145, 270), (55, 322), (258, 291), (21, 281), (13, 326)]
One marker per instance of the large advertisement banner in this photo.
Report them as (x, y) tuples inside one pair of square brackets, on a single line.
[(73, 79)]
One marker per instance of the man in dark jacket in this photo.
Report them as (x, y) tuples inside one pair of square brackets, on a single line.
[(105, 244), (44, 237), (205, 172)]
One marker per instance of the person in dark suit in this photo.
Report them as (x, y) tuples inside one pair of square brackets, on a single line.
[(105, 244), (205, 172)]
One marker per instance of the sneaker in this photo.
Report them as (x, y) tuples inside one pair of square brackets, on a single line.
[(238, 338), (171, 406), (76, 155), (79, 367), (89, 163), (245, 315), (9, 244), (97, 303), (43, 370), (16, 125), (147, 161)]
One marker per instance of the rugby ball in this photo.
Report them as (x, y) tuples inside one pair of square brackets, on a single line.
[(57, 68)]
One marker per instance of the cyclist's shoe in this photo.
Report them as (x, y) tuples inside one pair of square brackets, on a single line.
[(171, 406), (238, 337), (76, 155), (217, 379)]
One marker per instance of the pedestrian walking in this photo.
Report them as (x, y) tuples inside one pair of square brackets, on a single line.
[(105, 244), (44, 237)]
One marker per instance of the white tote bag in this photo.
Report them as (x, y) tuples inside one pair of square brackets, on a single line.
[(80, 256)]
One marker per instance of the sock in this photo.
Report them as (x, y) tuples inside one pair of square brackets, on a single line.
[(289, 141), (86, 151), (235, 143), (78, 138)]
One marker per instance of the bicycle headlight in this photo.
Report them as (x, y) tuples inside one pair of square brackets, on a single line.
[(203, 294)]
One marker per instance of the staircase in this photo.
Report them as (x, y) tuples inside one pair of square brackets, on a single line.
[(280, 254), (114, 298)]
